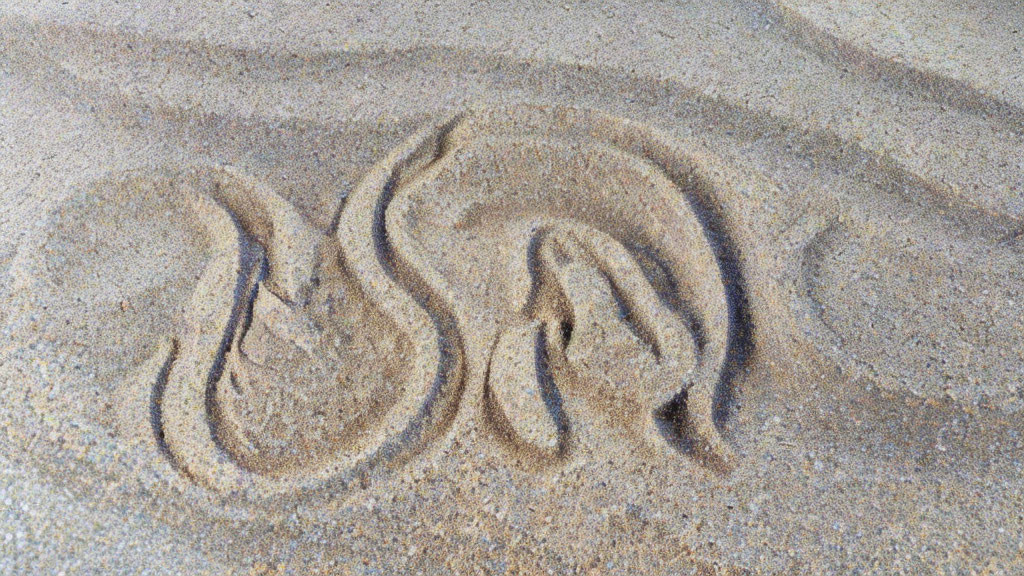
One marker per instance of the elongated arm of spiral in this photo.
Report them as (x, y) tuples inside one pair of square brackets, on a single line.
[(662, 328), (292, 246), (691, 257), (244, 217), (246, 222), (185, 424), (386, 264)]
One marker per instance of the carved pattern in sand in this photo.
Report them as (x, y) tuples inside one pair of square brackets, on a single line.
[(872, 291), (529, 254)]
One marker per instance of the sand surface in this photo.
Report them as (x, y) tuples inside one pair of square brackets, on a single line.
[(731, 287)]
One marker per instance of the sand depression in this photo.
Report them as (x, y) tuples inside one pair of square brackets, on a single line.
[(555, 266)]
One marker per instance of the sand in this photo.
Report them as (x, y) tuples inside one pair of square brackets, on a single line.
[(595, 288)]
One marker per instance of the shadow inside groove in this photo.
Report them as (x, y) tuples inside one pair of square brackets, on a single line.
[(430, 416)]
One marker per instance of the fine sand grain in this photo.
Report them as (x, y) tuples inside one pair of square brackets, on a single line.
[(597, 288)]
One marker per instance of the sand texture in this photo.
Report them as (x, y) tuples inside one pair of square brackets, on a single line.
[(730, 287)]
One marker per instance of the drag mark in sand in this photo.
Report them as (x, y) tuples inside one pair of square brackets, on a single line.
[(557, 266), (575, 254)]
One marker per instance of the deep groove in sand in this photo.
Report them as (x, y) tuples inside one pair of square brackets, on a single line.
[(449, 339), (672, 278), (731, 345)]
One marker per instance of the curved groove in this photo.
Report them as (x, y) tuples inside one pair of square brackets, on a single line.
[(939, 88), (448, 379), (692, 248), (636, 325), (545, 366), (404, 291), (265, 246), (252, 265), (156, 404), (873, 298), (807, 263), (502, 425)]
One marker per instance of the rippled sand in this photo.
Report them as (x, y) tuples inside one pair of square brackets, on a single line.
[(586, 288)]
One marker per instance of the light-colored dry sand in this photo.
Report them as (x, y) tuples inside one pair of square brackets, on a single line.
[(714, 288)]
